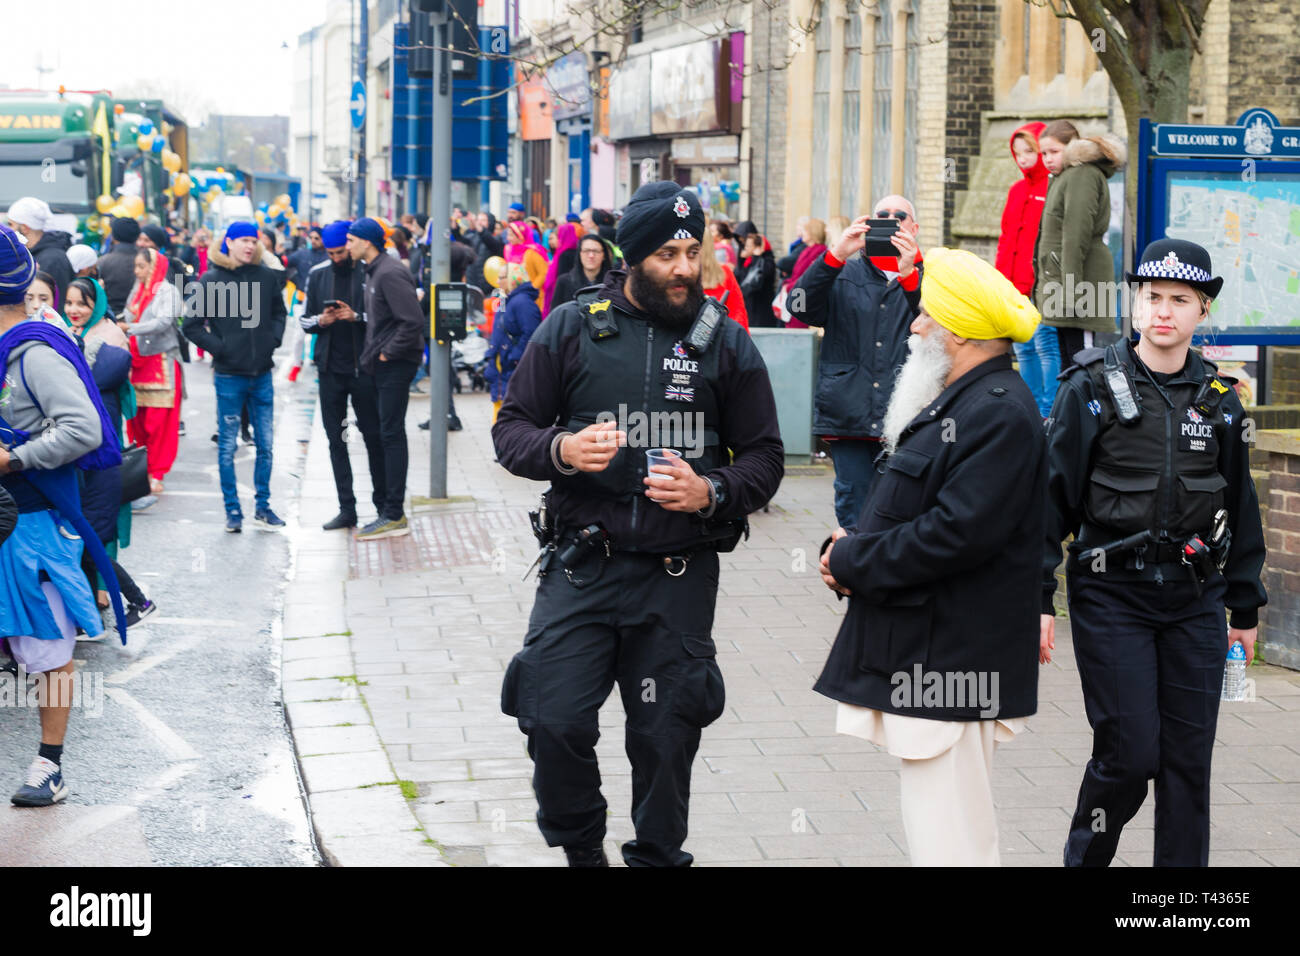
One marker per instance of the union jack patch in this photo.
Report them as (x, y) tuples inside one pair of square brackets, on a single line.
[(677, 393), (1094, 406), (1227, 417)]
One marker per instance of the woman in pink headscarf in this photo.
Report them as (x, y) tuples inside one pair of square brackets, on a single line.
[(566, 238), (523, 249)]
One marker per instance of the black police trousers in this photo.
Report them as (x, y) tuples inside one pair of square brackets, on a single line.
[(335, 389), (649, 632), (1151, 663)]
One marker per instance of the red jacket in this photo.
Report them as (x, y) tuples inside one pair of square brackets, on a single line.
[(1020, 219)]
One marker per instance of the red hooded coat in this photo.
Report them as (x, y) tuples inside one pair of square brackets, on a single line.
[(1020, 218)]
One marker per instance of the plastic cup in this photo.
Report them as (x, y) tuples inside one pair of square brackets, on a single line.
[(661, 457)]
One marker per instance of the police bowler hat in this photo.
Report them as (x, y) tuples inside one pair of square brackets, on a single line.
[(1179, 261)]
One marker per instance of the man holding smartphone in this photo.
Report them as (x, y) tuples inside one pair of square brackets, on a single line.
[(335, 314), (866, 303)]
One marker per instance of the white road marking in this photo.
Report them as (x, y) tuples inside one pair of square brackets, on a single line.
[(147, 663), (172, 742)]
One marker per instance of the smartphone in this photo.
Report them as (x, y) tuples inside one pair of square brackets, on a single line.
[(333, 304), (877, 240)]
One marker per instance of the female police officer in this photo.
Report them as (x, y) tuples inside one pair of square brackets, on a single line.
[(1149, 470)]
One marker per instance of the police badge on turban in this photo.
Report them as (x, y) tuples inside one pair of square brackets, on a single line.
[(658, 212)]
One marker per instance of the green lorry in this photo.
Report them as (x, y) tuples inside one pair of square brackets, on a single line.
[(71, 147)]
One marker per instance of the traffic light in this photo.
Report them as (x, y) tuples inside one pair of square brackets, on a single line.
[(464, 36), (421, 39)]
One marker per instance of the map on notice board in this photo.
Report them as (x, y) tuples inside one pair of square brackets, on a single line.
[(1252, 232)]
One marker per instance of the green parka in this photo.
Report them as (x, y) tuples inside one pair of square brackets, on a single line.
[(1075, 280)]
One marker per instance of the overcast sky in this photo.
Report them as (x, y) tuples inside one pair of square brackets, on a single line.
[(226, 54)]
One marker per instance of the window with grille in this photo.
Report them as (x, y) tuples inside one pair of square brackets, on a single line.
[(882, 84), (821, 114), (849, 163)]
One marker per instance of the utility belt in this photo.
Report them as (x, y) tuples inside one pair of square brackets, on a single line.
[(1145, 557), (582, 553)]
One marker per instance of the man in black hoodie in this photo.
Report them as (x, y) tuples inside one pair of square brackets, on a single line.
[(237, 313), (393, 349), (31, 218), (629, 574)]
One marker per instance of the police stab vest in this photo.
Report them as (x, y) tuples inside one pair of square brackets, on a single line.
[(1160, 473), (643, 377)]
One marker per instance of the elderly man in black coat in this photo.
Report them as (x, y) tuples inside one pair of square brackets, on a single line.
[(937, 658)]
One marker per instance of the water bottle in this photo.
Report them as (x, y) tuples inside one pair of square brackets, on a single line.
[(1234, 673)]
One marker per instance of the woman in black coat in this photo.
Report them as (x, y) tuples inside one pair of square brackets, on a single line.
[(758, 281), (594, 260)]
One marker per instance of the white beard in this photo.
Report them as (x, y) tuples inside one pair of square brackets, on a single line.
[(920, 381)]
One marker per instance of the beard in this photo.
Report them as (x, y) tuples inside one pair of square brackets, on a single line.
[(652, 296), (920, 381)]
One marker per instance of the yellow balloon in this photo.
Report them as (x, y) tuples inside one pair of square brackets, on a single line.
[(493, 270), (183, 184), (171, 161), (144, 142), (133, 205), (119, 212), (105, 202), (283, 200), (274, 210), (221, 169)]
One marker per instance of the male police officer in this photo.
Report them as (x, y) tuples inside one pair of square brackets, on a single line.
[(1149, 470), (629, 568)]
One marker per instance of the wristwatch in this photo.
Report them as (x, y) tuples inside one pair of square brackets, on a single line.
[(15, 463), (717, 496)]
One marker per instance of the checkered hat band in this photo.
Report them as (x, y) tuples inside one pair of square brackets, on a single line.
[(1188, 273)]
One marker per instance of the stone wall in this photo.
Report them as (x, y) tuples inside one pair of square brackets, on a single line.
[(766, 49), (972, 45), (1264, 58)]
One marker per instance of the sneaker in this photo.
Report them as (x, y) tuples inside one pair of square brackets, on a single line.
[(267, 520), (246, 436), (340, 520), (234, 523), (585, 856), (44, 786), (135, 613), (424, 425), (142, 504), (84, 638), (180, 429), (383, 528)]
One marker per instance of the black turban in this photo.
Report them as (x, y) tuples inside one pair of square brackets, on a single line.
[(658, 213), (125, 230)]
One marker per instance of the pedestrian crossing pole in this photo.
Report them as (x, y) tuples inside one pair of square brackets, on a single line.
[(440, 258)]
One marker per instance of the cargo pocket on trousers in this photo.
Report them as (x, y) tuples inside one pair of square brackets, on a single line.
[(519, 690), (701, 698)]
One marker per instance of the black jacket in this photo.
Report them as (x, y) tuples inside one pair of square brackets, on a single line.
[(51, 255), (574, 279), (395, 319), (1077, 487), (302, 262), (321, 288), (117, 273), (758, 286), (484, 245), (944, 575), (787, 262), (238, 315), (537, 402), (867, 320)]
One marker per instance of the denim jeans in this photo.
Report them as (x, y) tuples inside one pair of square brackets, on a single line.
[(854, 472), (233, 391), (1040, 363)]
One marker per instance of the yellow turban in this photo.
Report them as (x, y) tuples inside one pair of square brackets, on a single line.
[(970, 298)]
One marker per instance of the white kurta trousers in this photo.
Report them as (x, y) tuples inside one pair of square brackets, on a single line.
[(947, 781)]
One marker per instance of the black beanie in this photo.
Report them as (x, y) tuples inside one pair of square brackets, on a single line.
[(658, 213), (126, 230), (157, 235)]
